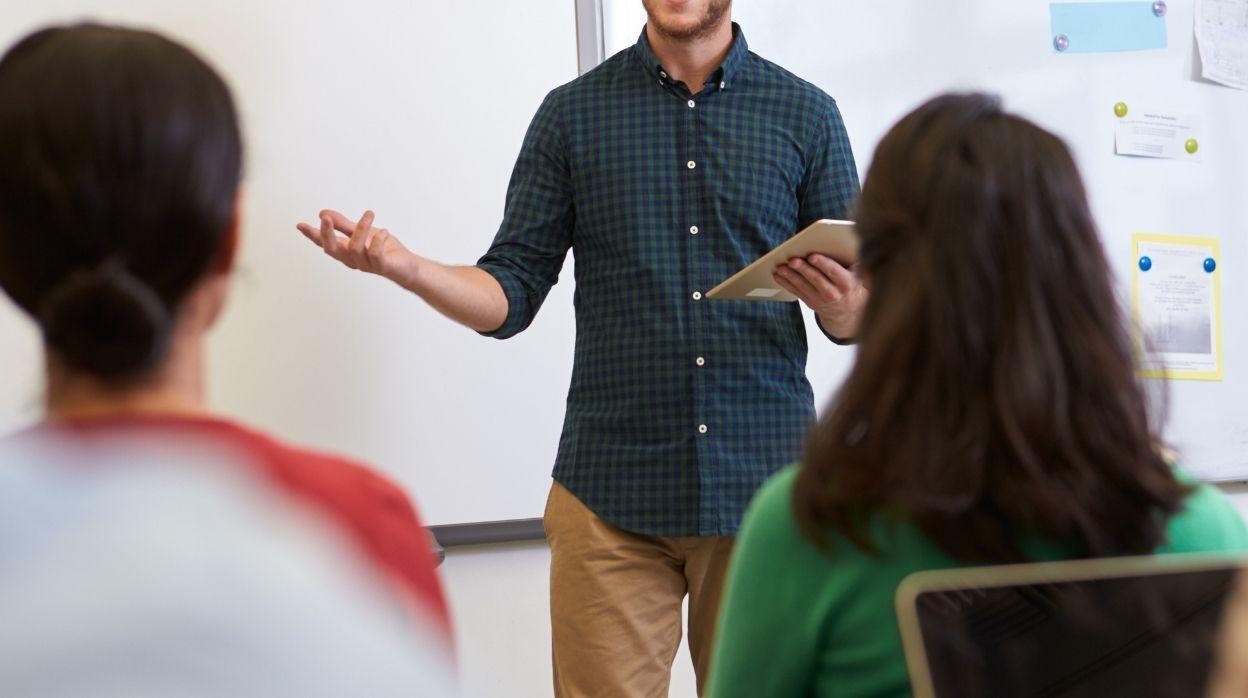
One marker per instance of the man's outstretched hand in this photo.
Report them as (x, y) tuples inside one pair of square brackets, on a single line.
[(359, 245)]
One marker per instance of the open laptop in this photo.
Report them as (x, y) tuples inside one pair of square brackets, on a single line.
[(1138, 626)]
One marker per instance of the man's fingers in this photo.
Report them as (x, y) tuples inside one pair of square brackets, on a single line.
[(800, 287), (784, 283), (310, 233), (364, 246), (330, 243), (377, 247), (844, 279), (363, 231), (328, 239), (817, 279), (341, 223)]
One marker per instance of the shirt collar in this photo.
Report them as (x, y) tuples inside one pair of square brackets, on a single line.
[(725, 74)]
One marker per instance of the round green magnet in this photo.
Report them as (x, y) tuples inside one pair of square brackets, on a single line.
[(1120, 109), (1192, 146)]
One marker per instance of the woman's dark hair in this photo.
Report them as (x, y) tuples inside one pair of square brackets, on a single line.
[(121, 159), (994, 395)]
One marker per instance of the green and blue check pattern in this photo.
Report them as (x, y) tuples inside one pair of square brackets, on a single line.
[(680, 407)]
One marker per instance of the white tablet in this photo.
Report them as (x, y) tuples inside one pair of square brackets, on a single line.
[(835, 239)]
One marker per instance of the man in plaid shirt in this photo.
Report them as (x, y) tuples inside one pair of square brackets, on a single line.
[(666, 169)]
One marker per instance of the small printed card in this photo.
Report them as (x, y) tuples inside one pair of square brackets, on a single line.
[(1157, 134)]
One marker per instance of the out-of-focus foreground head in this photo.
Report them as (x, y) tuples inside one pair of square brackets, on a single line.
[(122, 159)]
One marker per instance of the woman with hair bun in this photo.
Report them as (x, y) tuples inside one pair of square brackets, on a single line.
[(119, 221)]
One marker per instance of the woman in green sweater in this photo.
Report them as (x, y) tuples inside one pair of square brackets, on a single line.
[(993, 414)]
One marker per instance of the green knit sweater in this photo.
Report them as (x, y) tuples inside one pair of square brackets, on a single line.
[(797, 621)]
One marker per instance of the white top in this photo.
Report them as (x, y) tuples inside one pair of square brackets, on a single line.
[(132, 576)]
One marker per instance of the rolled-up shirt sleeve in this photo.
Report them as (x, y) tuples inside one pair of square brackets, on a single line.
[(536, 233), (830, 186)]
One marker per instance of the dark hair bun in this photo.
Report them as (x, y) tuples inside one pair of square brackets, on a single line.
[(106, 322)]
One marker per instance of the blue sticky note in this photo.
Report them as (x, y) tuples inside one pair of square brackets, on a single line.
[(1097, 27)]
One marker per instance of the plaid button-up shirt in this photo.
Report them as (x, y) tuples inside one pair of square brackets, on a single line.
[(680, 406)]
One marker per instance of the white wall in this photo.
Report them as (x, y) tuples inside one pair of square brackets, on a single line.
[(500, 602)]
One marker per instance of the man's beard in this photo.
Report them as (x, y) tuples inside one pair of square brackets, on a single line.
[(704, 27)]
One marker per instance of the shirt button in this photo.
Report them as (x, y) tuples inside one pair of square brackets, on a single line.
[(697, 295), (722, 85), (693, 230), (701, 361), (662, 74), (691, 164), (701, 428), (692, 104)]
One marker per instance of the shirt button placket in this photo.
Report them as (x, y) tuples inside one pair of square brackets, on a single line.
[(698, 274)]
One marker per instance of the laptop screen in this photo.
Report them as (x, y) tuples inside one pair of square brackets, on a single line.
[(1148, 634)]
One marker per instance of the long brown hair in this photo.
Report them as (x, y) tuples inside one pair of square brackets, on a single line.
[(994, 394)]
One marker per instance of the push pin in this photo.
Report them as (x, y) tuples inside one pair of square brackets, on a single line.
[(1159, 8), (1146, 263), (1061, 42), (1210, 265)]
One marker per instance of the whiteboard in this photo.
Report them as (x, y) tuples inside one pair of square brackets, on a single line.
[(417, 110), (414, 109), (880, 59)]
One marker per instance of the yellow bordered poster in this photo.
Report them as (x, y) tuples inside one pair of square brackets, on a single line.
[(1177, 309)]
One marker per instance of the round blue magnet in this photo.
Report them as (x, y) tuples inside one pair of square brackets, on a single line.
[(1210, 265), (1146, 263)]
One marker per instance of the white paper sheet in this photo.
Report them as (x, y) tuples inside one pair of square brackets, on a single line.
[(1222, 37), (1177, 311)]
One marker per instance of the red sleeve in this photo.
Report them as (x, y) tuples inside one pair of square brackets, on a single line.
[(405, 544), (376, 513)]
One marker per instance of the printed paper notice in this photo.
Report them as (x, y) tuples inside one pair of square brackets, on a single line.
[(1157, 134), (1222, 37), (1178, 317)]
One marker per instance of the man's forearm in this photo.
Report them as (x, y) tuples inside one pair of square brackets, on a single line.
[(468, 295)]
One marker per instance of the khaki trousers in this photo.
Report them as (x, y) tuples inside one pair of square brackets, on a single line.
[(615, 602)]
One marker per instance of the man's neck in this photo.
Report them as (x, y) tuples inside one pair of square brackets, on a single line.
[(691, 61)]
